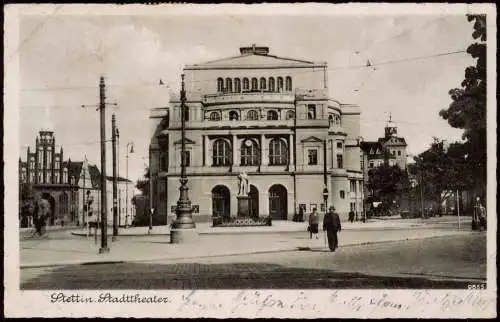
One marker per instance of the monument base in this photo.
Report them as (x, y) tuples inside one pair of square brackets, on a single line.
[(183, 236), (243, 206)]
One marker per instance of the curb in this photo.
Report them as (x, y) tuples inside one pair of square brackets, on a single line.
[(361, 228), (135, 260)]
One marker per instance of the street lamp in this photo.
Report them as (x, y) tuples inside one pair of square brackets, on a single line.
[(184, 211), (131, 150)]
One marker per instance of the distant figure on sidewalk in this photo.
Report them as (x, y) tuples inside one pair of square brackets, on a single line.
[(331, 224), (313, 224), (482, 217), (40, 215), (351, 216), (92, 222)]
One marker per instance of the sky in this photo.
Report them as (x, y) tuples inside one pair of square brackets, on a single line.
[(62, 55)]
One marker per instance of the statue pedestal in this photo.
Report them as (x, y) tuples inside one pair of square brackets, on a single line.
[(243, 206)]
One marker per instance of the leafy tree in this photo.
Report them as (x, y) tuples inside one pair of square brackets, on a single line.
[(442, 169), (387, 183), (143, 184), (467, 110)]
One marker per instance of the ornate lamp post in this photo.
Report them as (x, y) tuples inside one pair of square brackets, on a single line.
[(183, 224)]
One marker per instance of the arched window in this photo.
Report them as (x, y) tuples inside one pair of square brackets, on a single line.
[(252, 115), (280, 84), (271, 84), (237, 85), (278, 152), (246, 84), (290, 115), (272, 115), (288, 85), (233, 116), (221, 153), (220, 84), (262, 83), (255, 84), (249, 153), (229, 85), (215, 116)]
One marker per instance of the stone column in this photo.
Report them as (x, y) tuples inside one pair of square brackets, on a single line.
[(291, 148), (235, 151), (208, 152), (263, 150)]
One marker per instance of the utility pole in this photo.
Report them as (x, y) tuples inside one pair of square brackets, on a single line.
[(104, 208), (103, 196), (115, 213)]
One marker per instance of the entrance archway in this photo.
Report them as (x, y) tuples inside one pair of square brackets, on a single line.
[(254, 201), (221, 201), (278, 198), (52, 203)]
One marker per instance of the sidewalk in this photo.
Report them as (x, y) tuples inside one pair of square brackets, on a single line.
[(278, 226), (158, 248)]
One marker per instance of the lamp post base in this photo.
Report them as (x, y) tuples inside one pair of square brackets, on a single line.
[(183, 236), (103, 250), (114, 238)]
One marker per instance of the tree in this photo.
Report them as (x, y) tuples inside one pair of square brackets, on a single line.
[(467, 110), (442, 169), (387, 183), (143, 184)]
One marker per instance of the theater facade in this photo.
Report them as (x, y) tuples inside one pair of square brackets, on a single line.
[(268, 116)]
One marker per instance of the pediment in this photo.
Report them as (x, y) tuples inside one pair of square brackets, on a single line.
[(312, 139), (254, 60), (186, 141)]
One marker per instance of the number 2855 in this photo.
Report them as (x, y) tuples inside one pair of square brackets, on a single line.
[(476, 286)]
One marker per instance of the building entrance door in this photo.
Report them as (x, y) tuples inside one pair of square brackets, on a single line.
[(220, 201), (254, 201), (278, 202)]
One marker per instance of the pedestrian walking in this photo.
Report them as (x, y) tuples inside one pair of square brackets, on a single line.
[(331, 224), (482, 217), (42, 211), (313, 224), (351, 216)]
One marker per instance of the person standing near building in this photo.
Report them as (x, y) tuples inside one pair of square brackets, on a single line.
[(313, 224), (331, 224)]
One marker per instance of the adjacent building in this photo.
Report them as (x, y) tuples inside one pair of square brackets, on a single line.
[(70, 185), (269, 116)]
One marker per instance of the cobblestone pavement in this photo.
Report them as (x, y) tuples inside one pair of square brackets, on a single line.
[(445, 262)]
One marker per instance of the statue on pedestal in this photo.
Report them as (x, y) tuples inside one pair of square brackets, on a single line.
[(244, 187)]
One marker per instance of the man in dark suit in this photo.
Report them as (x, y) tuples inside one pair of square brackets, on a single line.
[(331, 224)]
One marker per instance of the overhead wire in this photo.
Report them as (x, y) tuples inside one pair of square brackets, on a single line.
[(332, 69)]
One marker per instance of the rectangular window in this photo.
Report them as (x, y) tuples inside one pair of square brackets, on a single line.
[(399, 153), (312, 207), (339, 145), (340, 161), (353, 185), (371, 164), (342, 194), (311, 112), (185, 113), (353, 206), (312, 157)]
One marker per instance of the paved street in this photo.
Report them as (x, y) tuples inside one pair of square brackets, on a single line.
[(441, 262)]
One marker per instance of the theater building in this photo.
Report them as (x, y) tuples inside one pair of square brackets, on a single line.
[(269, 116)]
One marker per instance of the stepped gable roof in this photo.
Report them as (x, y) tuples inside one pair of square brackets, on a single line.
[(255, 57)]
